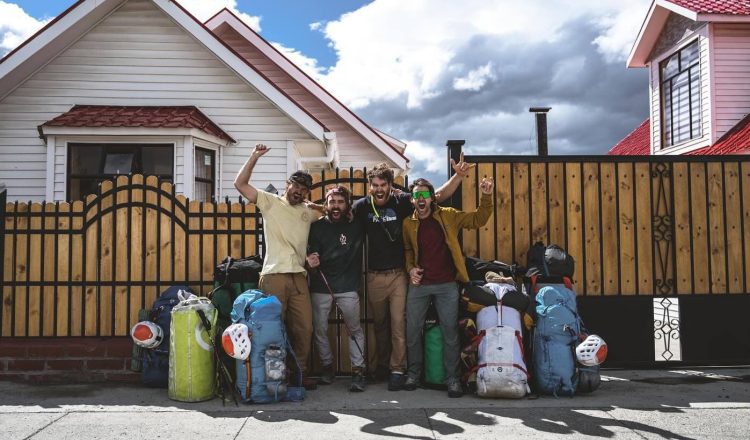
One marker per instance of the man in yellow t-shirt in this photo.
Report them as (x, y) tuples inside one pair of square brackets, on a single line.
[(286, 225)]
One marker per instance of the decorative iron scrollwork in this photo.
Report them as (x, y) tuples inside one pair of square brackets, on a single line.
[(667, 345), (662, 228)]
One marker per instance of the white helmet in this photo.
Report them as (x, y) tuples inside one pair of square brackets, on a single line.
[(236, 341), (592, 351), (147, 334)]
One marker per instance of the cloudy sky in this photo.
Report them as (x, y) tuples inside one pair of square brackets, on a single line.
[(426, 71)]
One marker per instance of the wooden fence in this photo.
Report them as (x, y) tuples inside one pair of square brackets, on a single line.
[(86, 268), (658, 225)]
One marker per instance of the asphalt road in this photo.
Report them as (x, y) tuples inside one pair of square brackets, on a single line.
[(653, 404)]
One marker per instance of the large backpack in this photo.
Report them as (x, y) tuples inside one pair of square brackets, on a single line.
[(269, 347), (155, 362), (501, 367), (231, 278), (556, 334)]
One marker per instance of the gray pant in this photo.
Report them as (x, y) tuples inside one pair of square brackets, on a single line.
[(348, 302), (445, 297)]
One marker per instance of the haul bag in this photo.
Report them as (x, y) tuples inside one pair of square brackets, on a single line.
[(192, 373), (434, 369)]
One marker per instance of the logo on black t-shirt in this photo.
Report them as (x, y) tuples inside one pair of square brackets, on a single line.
[(342, 239)]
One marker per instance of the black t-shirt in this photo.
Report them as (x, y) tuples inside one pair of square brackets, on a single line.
[(385, 244), (339, 245)]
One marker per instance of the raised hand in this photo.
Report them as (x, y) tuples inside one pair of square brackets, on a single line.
[(462, 168), (259, 150), (486, 185)]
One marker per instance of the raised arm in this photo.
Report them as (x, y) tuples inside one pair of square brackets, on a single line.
[(477, 219), (461, 170), (242, 181)]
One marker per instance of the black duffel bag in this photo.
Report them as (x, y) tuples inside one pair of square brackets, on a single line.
[(478, 268)]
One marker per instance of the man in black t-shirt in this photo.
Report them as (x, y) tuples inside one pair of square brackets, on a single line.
[(335, 256), (382, 212)]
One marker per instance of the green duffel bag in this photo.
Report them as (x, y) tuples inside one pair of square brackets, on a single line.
[(434, 369), (232, 277), (192, 371)]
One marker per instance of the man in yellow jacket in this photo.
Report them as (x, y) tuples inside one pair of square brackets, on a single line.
[(434, 262)]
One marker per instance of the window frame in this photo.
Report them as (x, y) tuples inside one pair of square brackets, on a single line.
[(667, 84), (118, 147), (197, 179)]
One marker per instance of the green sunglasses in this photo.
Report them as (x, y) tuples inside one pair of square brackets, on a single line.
[(423, 194)]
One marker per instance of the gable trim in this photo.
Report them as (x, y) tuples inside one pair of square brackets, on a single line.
[(364, 129)]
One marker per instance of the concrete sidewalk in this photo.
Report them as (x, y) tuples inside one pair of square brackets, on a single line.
[(676, 404)]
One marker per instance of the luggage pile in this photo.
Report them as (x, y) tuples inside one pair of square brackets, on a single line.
[(505, 330), (232, 345)]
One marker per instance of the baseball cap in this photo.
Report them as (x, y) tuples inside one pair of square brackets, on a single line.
[(301, 178)]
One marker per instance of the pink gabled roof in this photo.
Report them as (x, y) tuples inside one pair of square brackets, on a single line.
[(637, 143), (730, 7), (138, 116), (735, 141)]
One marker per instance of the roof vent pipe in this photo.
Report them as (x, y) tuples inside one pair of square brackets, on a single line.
[(541, 129)]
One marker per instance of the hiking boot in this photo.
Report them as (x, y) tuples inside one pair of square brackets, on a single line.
[(358, 381), (396, 382), (455, 389), (309, 383), (411, 384), (381, 373), (326, 375)]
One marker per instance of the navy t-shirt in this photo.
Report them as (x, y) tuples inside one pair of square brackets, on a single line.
[(385, 244), (340, 247)]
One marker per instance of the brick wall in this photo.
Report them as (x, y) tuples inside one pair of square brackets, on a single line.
[(67, 359)]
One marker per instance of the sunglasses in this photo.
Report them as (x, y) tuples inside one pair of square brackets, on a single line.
[(423, 194)]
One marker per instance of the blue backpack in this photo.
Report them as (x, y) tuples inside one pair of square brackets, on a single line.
[(156, 360), (555, 337), (268, 376)]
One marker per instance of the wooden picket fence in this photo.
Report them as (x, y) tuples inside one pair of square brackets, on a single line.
[(86, 268)]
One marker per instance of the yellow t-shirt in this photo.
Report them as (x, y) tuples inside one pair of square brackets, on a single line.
[(285, 231)]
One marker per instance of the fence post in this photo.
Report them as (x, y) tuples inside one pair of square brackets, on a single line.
[(454, 152)]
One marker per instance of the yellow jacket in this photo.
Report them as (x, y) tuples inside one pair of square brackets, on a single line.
[(452, 220)]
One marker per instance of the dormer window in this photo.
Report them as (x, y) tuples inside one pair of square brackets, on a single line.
[(680, 95)]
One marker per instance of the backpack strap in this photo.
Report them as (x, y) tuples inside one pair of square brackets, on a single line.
[(227, 283)]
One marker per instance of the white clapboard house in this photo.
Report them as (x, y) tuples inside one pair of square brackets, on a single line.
[(141, 86)]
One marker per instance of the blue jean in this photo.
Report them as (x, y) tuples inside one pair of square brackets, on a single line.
[(445, 298)]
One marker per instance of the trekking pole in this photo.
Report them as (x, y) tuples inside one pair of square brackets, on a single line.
[(225, 379), (346, 326)]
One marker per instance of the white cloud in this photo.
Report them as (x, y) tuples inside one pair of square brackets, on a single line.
[(431, 159), (392, 48), (16, 26), (205, 9), (307, 64), (316, 26), (475, 79)]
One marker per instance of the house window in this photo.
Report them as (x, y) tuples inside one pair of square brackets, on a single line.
[(205, 174), (680, 95), (89, 164)]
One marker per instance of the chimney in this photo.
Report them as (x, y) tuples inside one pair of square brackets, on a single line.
[(541, 129)]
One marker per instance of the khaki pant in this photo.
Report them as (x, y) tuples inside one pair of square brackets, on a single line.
[(292, 291), (386, 294)]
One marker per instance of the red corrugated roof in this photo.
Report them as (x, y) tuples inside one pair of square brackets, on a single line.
[(731, 7), (636, 143), (735, 141), (138, 116)]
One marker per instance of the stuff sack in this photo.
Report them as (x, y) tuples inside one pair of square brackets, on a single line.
[(434, 368), (192, 371), (262, 378), (231, 278), (155, 362), (501, 367), (551, 263), (555, 337)]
